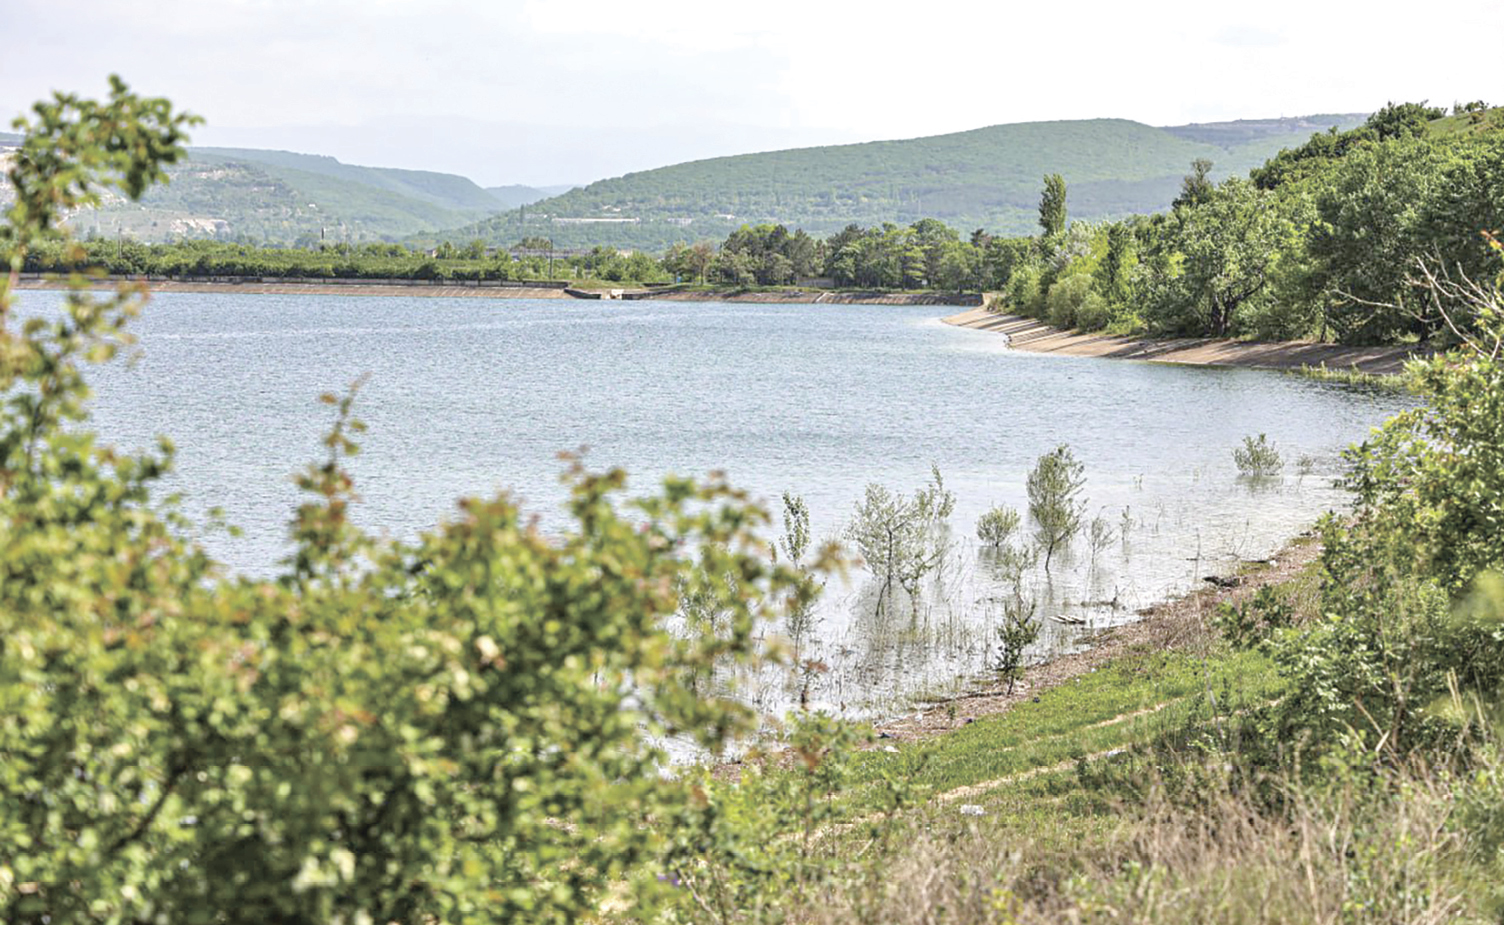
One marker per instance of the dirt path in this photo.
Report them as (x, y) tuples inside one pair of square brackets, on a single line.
[(1037, 337)]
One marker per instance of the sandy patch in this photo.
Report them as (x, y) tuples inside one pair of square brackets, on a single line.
[(1037, 337)]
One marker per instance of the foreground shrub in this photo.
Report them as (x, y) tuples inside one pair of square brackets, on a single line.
[(457, 729), (1408, 617)]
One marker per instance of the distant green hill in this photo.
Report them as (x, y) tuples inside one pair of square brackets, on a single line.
[(513, 196), (280, 197), (441, 189), (985, 178)]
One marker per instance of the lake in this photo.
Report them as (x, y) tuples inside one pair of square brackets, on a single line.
[(471, 396)]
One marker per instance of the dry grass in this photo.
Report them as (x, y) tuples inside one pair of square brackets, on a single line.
[(1363, 854), (1149, 825)]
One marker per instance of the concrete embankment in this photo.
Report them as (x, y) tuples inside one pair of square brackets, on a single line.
[(1037, 337)]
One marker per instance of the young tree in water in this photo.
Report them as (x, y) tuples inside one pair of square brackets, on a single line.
[(1054, 488), (902, 539), (1052, 205)]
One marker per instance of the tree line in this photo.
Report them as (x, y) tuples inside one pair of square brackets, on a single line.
[(530, 260), (1320, 242), (1323, 241)]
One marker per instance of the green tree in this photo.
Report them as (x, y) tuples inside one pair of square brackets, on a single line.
[(1367, 239), (1114, 272), (902, 538), (1052, 205), (1054, 487), (1197, 186), (1403, 120), (1217, 262)]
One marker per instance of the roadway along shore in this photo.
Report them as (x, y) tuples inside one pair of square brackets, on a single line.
[(1037, 337)]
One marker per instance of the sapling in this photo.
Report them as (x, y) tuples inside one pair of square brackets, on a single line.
[(795, 544), (795, 539), (1054, 488), (997, 526), (1257, 458), (902, 539), (1011, 563), (1019, 631)]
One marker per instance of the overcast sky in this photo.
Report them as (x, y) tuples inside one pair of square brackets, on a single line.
[(559, 91)]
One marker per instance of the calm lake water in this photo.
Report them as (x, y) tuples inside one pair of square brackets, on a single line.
[(471, 396)]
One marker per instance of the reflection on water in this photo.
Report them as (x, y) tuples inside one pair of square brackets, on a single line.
[(469, 397)]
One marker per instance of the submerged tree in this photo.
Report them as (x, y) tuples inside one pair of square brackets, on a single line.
[(997, 525), (902, 539), (1054, 488)]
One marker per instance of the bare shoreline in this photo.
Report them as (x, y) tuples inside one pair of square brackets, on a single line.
[(1025, 334), (1037, 337), (427, 289)]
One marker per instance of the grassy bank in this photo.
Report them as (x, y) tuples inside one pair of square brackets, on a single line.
[(1120, 794)]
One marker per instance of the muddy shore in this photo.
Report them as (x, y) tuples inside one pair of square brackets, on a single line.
[(1037, 337)]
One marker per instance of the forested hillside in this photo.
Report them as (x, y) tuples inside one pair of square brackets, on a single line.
[(279, 197), (986, 178), (516, 195)]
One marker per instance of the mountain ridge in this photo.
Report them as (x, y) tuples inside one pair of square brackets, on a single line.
[(987, 177)]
